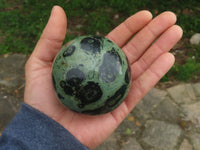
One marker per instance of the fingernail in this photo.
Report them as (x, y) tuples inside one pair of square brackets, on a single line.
[(52, 9)]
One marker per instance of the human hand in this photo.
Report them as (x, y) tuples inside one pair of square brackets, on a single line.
[(147, 53)]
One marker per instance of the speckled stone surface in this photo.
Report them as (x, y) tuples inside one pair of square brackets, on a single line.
[(91, 75)]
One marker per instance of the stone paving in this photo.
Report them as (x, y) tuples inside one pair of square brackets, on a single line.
[(165, 119)]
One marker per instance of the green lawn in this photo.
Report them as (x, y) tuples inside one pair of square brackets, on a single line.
[(22, 21)]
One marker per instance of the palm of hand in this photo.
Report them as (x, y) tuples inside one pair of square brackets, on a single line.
[(149, 63)]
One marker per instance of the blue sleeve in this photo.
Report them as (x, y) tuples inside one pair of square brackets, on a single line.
[(32, 130)]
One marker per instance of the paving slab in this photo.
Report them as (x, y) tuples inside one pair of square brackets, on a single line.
[(161, 135), (167, 110), (196, 87), (131, 144), (182, 93), (7, 112), (192, 113), (110, 143), (185, 145), (128, 126), (195, 138), (151, 100), (12, 69), (140, 115)]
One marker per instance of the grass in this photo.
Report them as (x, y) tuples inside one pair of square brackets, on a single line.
[(22, 22), (188, 71)]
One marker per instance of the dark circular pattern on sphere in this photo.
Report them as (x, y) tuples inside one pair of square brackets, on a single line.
[(75, 77), (91, 44), (89, 93), (70, 50), (91, 75), (110, 66)]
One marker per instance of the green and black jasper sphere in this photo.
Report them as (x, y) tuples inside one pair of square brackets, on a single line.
[(91, 75)]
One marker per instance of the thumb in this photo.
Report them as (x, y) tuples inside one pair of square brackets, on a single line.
[(52, 36)]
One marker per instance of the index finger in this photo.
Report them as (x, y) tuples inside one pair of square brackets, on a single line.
[(122, 33)]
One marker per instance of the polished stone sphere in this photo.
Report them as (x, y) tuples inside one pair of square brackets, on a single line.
[(91, 75)]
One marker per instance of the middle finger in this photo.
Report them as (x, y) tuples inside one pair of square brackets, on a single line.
[(135, 48)]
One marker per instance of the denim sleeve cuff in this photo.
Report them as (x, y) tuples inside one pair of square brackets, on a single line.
[(31, 129)]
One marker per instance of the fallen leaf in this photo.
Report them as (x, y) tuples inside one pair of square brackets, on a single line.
[(5, 97), (128, 131), (7, 79), (21, 87), (5, 55), (156, 12), (138, 124), (131, 118)]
